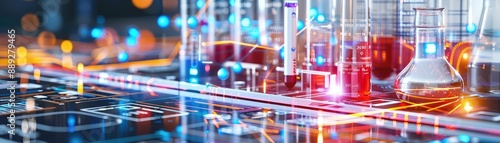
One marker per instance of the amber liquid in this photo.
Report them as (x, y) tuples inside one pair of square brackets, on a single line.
[(458, 55), (382, 57), (355, 73)]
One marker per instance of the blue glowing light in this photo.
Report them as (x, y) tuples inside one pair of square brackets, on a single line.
[(245, 22), (200, 3), (71, 122), (165, 136), (300, 25), (464, 138), (131, 41), (334, 135), (96, 33), (204, 29), (223, 74), (255, 33), (192, 22), (237, 68), (134, 32), (313, 12), (163, 21), (471, 27), (333, 40), (430, 48), (321, 18), (123, 57), (320, 60), (100, 19), (435, 141), (231, 18), (193, 80), (282, 53), (231, 2), (178, 129), (193, 71), (178, 22)]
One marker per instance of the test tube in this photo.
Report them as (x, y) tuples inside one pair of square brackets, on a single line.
[(290, 58), (355, 60)]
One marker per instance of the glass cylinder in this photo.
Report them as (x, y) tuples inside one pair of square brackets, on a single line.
[(403, 46), (355, 65), (484, 65), (381, 39), (429, 77)]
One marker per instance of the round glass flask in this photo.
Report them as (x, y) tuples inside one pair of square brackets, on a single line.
[(429, 78)]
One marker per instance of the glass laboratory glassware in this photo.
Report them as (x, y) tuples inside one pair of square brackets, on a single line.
[(355, 61), (191, 57), (459, 27), (381, 39), (429, 77), (403, 46), (484, 65)]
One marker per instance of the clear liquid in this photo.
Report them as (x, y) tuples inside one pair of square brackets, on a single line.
[(426, 80), (484, 77)]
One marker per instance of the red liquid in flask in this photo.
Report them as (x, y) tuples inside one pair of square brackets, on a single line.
[(402, 53), (355, 72), (382, 56)]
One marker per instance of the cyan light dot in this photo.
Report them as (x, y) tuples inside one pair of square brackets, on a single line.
[(300, 25), (313, 12), (430, 48), (464, 138), (200, 3), (134, 32), (123, 57), (178, 22), (245, 22), (96, 33), (192, 22), (231, 18), (320, 60), (237, 68), (163, 21), (193, 71), (223, 74), (471, 27), (131, 41), (321, 18)]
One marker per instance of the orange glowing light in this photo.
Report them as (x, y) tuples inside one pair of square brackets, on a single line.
[(66, 46), (142, 4), (30, 22), (148, 87), (22, 51), (46, 39), (80, 67), (109, 38), (80, 86), (146, 40), (36, 74), (21, 61), (467, 107)]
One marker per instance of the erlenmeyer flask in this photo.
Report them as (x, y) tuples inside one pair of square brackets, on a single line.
[(484, 65), (429, 77)]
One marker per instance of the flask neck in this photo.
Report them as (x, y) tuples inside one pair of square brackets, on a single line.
[(429, 43)]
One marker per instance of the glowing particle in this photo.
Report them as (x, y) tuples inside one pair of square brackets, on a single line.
[(471, 27), (192, 22), (22, 51), (134, 32), (313, 12), (321, 18), (237, 68), (200, 3), (223, 74), (163, 21), (193, 71), (123, 57), (131, 41), (142, 4), (245, 22), (66, 46), (320, 60), (430, 48), (80, 67), (96, 33)]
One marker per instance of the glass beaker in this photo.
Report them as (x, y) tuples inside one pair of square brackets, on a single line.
[(355, 61), (429, 77), (484, 65), (381, 39), (403, 46)]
